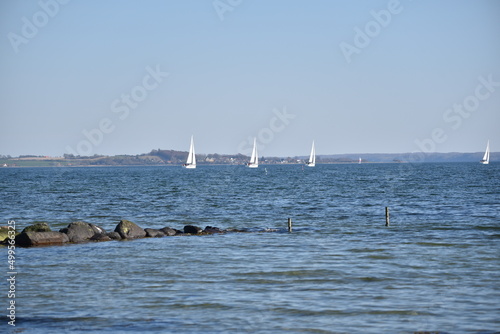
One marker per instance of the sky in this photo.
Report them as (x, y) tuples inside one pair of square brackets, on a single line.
[(126, 77)]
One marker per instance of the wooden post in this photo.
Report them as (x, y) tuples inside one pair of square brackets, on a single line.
[(289, 224), (387, 216)]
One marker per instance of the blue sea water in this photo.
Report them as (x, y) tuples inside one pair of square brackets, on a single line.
[(341, 270)]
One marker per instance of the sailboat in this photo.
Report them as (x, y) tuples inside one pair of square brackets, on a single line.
[(359, 161), (486, 157), (191, 159), (312, 157), (254, 159)]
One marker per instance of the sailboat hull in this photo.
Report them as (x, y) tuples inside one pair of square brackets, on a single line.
[(189, 166), (484, 162), (310, 164), (252, 165)]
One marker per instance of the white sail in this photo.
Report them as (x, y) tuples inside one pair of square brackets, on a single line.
[(486, 156), (312, 157), (191, 159), (254, 159)]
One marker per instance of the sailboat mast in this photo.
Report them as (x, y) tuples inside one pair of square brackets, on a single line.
[(487, 153), (312, 157), (256, 153), (193, 156), (254, 158)]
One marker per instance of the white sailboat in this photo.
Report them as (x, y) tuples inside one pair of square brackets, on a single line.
[(486, 157), (312, 157), (359, 161), (191, 159), (254, 159)]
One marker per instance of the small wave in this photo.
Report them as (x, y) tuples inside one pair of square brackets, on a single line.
[(367, 250), (440, 244)]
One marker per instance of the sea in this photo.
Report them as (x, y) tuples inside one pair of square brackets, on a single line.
[(435, 268)]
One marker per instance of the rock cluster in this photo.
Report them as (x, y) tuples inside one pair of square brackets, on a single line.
[(40, 234)]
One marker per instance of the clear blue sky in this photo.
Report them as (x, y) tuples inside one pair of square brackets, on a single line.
[(282, 70)]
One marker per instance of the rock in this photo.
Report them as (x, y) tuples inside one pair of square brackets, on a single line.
[(38, 227), (98, 229), (114, 236), (101, 237), (191, 229), (152, 233), (82, 231), (129, 230), (168, 231), (212, 230), (237, 230), (27, 239), (4, 233)]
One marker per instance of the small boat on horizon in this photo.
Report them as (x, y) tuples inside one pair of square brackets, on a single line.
[(254, 159), (312, 157), (486, 157), (191, 159)]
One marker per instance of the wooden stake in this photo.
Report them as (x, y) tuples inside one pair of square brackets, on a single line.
[(387, 223), (289, 224)]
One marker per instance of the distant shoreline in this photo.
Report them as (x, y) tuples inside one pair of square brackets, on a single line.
[(209, 165), (177, 158)]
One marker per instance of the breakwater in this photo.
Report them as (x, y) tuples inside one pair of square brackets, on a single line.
[(40, 234)]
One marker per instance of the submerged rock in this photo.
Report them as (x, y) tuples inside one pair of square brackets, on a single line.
[(129, 230), (38, 227), (212, 230), (236, 230), (191, 229), (82, 231), (153, 233), (168, 231), (28, 239)]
